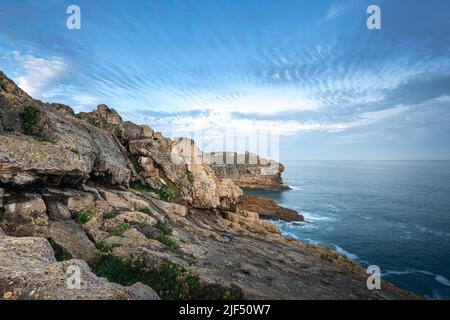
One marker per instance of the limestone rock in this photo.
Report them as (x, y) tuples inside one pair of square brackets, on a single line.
[(179, 165), (58, 211), (70, 236), (59, 148), (268, 209), (29, 271), (28, 208), (248, 171), (130, 218)]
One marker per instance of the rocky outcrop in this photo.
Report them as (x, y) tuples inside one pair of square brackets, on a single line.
[(268, 209), (65, 194), (175, 165), (29, 271), (248, 171), (47, 144)]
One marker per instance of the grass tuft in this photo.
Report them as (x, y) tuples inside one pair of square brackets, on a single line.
[(84, 217), (147, 211), (30, 118), (168, 193), (170, 281)]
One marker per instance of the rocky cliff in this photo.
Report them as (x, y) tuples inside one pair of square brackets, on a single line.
[(115, 200), (247, 171)]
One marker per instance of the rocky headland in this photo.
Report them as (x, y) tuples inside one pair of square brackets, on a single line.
[(247, 171), (140, 219)]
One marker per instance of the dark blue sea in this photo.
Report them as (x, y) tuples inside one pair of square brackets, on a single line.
[(394, 214)]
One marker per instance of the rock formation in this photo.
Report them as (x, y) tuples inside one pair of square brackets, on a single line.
[(247, 171), (91, 191), (268, 209)]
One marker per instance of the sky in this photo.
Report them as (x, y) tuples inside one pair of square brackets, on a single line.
[(307, 76)]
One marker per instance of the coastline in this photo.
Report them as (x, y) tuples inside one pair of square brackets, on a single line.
[(91, 190)]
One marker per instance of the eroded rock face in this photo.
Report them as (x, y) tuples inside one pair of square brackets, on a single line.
[(29, 271), (26, 209), (247, 171), (267, 209), (179, 164), (42, 143)]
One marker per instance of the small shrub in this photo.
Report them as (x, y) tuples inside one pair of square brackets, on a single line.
[(2, 214), (141, 188), (135, 162), (76, 151), (43, 139), (190, 176), (167, 241), (170, 281), (167, 231), (168, 193), (109, 215), (120, 230), (147, 211), (30, 118), (84, 217)]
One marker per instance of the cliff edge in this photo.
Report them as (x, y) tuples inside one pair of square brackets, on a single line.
[(93, 195)]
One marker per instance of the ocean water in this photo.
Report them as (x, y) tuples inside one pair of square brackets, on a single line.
[(394, 214)]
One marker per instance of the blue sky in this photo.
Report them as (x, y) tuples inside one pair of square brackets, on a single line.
[(309, 72)]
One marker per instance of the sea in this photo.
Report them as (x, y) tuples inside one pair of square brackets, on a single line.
[(393, 214)]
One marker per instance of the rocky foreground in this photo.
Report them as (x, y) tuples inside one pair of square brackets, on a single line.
[(140, 218)]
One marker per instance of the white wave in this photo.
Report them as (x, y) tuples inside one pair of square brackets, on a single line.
[(314, 217), (432, 231), (442, 280), (345, 253), (295, 188)]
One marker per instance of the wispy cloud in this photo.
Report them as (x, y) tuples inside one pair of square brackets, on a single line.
[(335, 10), (39, 74)]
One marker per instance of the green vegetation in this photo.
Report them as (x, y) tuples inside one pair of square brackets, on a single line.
[(168, 193), (135, 162), (143, 189), (190, 176), (76, 151), (109, 215), (165, 238), (61, 254), (2, 214), (103, 248), (31, 118), (168, 241), (42, 139), (120, 229), (167, 231), (84, 217), (147, 211), (170, 281)]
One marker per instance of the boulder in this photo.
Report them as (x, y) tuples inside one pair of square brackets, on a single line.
[(28, 208), (58, 211), (29, 271), (72, 238)]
